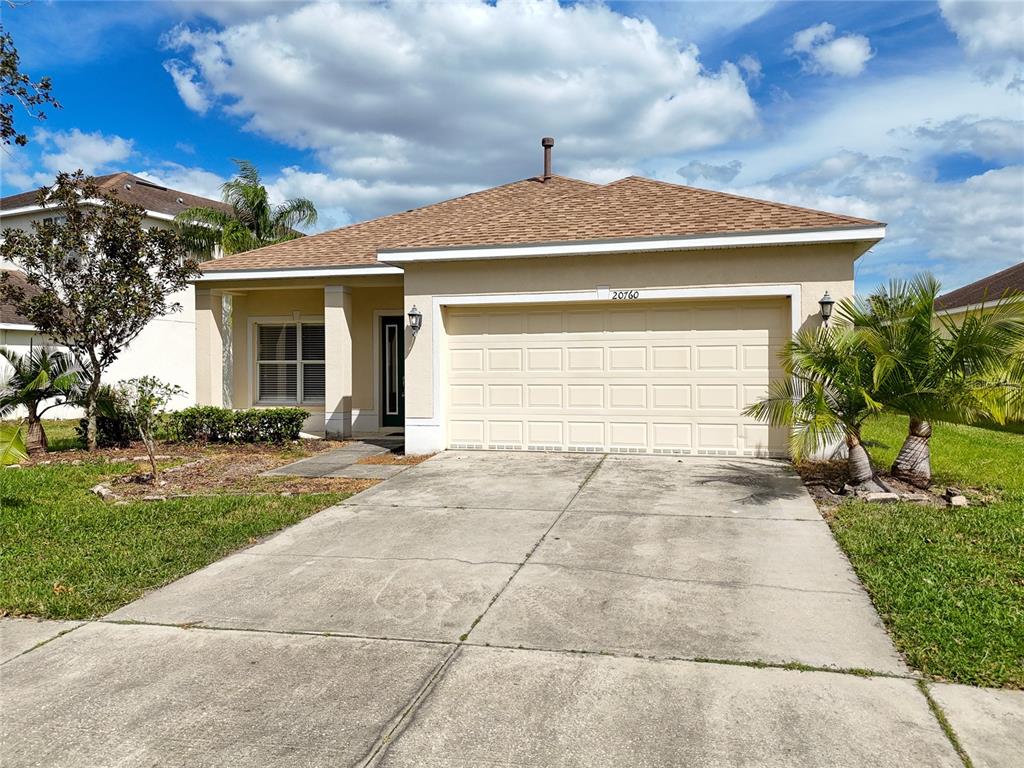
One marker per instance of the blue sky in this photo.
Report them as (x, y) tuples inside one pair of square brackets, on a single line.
[(912, 113)]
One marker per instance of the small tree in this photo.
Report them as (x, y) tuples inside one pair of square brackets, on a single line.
[(146, 399), (825, 396), (45, 373), (102, 277)]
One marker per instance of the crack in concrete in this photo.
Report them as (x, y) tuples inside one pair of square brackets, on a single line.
[(711, 582)]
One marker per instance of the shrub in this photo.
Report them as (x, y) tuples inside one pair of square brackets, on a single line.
[(115, 425), (223, 425)]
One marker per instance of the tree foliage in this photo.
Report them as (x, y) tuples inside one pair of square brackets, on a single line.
[(146, 399), (101, 277), (19, 88), (252, 222)]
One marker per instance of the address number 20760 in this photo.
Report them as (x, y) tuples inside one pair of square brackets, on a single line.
[(621, 295)]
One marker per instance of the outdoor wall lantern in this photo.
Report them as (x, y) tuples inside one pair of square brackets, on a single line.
[(826, 302), (415, 320)]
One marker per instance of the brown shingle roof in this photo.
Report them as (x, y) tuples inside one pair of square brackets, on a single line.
[(147, 194), (534, 211), (358, 244), (636, 208), (989, 288), (8, 314)]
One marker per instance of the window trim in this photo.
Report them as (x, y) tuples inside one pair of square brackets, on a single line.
[(254, 360)]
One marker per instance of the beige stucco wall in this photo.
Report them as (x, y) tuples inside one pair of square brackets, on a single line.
[(814, 268), (284, 304)]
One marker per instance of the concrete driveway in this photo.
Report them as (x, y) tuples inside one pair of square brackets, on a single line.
[(499, 608)]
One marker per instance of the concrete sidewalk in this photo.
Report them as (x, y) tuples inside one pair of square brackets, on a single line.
[(530, 609)]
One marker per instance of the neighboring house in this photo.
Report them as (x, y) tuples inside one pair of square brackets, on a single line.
[(166, 347), (987, 290), (556, 314)]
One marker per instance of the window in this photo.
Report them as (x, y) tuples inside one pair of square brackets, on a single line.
[(290, 363)]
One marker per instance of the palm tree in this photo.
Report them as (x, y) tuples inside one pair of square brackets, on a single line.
[(933, 368), (252, 221), (45, 373), (825, 396)]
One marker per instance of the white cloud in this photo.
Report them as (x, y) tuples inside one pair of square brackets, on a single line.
[(185, 81), (694, 171), (986, 28), (72, 150), (958, 229), (991, 138), (751, 68), (437, 95), (823, 53)]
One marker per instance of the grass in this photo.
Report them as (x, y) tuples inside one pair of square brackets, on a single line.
[(66, 554), (949, 582)]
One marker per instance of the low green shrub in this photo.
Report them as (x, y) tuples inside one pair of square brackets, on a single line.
[(115, 425), (208, 423)]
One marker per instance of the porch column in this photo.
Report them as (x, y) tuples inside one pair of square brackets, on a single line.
[(209, 347), (338, 361)]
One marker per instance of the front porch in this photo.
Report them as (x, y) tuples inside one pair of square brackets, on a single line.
[(334, 349)]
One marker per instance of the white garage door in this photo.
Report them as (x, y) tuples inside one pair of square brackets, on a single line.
[(667, 378)]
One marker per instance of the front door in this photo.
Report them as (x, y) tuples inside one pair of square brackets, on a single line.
[(392, 376)]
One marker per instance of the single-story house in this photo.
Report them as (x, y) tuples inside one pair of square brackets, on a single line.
[(166, 347), (548, 314), (986, 291)]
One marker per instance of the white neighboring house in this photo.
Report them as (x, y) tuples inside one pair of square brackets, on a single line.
[(166, 347)]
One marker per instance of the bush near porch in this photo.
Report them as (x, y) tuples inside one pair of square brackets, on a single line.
[(948, 582)]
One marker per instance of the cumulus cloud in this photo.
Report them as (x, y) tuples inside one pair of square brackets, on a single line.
[(694, 171), (70, 150), (986, 28), (189, 89), (959, 229), (993, 138), (823, 53), (440, 95), (751, 68)]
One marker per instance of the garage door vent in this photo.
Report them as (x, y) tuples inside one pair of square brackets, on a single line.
[(673, 451), (502, 447), (586, 449), (627, 450), (544, 448), (467, 446)]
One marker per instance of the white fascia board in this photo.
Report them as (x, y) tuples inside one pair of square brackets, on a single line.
[(221, 275), (40, 208), (804, 237), (17, 327)]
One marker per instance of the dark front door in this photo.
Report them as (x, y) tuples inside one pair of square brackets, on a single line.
[(392, 374)]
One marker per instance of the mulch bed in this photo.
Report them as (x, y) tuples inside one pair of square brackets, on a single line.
[(394, 458)]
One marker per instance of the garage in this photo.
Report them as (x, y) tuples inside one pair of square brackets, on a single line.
[(637, 377)]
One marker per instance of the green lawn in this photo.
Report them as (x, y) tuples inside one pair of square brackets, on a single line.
[(66, 554), (949, 583)]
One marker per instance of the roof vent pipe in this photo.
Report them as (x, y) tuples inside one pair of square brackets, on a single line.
[(547, 142)]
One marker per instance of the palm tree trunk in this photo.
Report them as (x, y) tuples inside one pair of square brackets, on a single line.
[(913, 463), (858, 464), (90, 411), (35, 440)]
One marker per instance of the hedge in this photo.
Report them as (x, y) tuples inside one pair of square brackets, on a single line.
[(209, 423)]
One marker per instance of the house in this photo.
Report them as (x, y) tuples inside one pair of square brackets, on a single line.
[(545, 314), (987, 290), (166, 347)]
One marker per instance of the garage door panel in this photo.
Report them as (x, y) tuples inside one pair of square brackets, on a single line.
[(669, 378)]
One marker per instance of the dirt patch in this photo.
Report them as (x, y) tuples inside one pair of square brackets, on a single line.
[(201, 470), (395, 458), (825, 481)]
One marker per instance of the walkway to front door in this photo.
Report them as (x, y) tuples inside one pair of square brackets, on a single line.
[(500, 609)]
